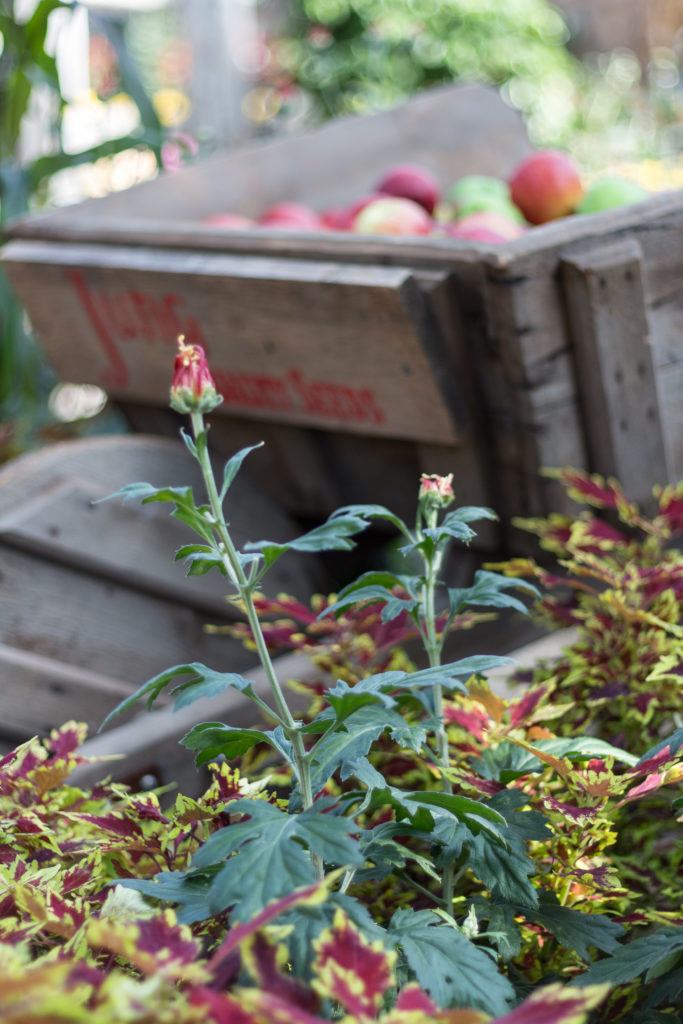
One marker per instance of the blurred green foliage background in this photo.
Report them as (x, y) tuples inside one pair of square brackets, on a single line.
[(353, 56)]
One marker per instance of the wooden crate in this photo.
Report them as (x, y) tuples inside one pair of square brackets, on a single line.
[(363, 361), (92, 603)]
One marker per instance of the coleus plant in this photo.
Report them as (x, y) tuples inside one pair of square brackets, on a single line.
[(74, 949), (597, 878), (619, 581), (343, 821)]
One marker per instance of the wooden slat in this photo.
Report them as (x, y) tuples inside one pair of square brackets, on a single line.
[(50, 505), (524, 369), (96, 624), (39, 693), (150, 742), (343, 347), (607, 310)]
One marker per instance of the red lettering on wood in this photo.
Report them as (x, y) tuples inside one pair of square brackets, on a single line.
[(116, 375), (121, 316), (294, 393)]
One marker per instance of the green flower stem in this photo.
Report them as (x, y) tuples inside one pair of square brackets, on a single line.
[(236, 573), (434, 646)]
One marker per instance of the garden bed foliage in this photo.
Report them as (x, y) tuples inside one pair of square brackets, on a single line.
[(414, 847)]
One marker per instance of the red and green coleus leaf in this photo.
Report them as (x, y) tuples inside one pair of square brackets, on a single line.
[(306, 896), (670, 501), (266, 961), (156, 945), (556, 1004), (351, 970)]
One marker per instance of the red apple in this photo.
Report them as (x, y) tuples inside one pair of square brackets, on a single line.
[(392, 215), (546, 185), (228, 221), (411, 182), (336, 218), (490, 222), (341, 218), (293, 216)]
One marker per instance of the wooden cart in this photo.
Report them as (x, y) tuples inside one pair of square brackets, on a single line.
[(363, 361)]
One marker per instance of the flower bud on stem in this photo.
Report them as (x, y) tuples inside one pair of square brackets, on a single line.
[(436, 494), (245, 588)]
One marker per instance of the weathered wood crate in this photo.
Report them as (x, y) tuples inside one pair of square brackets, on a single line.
[(363, 361), (92, 603)]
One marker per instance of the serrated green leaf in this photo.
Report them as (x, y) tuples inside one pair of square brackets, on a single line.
[(200, 558), (456, 530), (182, 497), (345, 699), (635, 958), (341, 748), (253, 878), (369, 512), (267, 855), (187, 890), (490, 589), (574, 929), (450, 674), (459, 806), (502, 928), (504, 870), (204, 682), (214, 739), (333, 535), (581, 747), (380, 847), (447, 965), (232, 467), (378, 587)]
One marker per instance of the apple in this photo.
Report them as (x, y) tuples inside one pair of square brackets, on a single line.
[(608, 192), (292, 216), (336, 218), (341, 218), (392, 215), (546, 185), (479, 226), (476, 186), (495, 204), (408, 181), (228, 221)]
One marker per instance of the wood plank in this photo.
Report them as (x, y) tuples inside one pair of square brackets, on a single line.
[(149, 743), (343, 347), (96, 624), (50, 505), (525, 373), (39, 693), (607, 311)]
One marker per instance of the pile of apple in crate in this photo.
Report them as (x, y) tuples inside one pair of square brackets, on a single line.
[(408, 200)]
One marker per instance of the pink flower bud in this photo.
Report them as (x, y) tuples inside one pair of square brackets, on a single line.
[(437, 489), (192, 387)]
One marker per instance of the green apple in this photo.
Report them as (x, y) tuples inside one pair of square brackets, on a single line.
[(472, 186), (608, 192), (478, 193)]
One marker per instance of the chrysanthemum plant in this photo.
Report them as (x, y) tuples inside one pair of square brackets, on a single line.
[(457, 843)]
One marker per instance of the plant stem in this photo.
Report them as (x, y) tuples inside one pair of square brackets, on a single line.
[(236, 573), (434, 647)]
